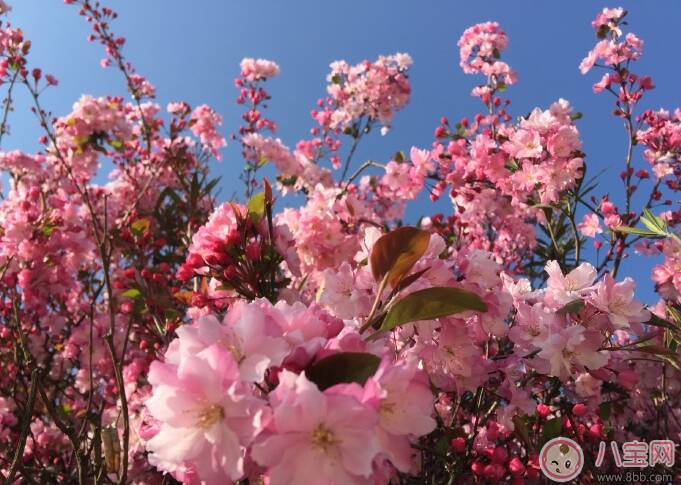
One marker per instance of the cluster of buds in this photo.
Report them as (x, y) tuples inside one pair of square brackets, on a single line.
[(235, 254)]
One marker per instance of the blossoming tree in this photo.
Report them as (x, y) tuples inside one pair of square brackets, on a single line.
[(149, 334)]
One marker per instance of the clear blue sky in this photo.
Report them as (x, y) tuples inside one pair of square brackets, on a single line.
[(191, 51)]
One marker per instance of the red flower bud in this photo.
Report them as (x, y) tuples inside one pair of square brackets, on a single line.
[(543, 410), (579, 409)]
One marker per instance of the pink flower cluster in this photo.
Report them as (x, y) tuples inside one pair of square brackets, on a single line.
[(155, 333), (496, 177), (562, 345), (204, 122), (96, 125), (661, 137), (44, 238), (320, 229), (610, 50), (296, 165), (258, 69), (480, 48), (211, 421), (375, 90), (667, 276)]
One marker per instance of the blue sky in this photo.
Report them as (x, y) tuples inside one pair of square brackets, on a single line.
[(191, 51)]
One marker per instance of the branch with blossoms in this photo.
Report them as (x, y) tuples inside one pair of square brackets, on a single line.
[(153, 335)]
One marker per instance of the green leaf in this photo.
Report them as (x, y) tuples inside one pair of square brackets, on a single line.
[(262, 162), (663, 353), (336, 79), (635, 230), (116, 144), (551, 429), (256, 207), (654, 223), (408, 280), (442, 446), (171, 314), (659, 322), (574, 306), (131, 293), (521, 429), (140, 226), (48, 229), (674, 314), (429, 304), (343, 368), (604, 410), (211, 185), (576, 116), (541, 206), (172, 194), (657, 227)]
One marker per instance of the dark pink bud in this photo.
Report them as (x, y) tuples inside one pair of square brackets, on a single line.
[(458, 444), (543, 410), (516, 466), (579, 409)]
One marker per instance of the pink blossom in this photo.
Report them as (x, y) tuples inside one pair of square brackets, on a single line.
[(258, 69), (480, 47), (265, 149), (252, 337), (590, 225), (564, 142), (617, 300), (343, 292), (375, 89), (331, 434), (572, 348), (524, 144), (405, 408), (204, 123), (563, 289), (206, 417)]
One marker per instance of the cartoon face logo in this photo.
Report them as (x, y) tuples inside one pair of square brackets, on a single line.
[(561, 459)]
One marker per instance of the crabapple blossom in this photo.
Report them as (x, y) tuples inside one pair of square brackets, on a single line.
[(617, 300), (373, 89), (590, 225), (206, 415), (562, 289), (312, 330), (310, 430), (480, 48), (570, 348), (204, 122), (258, 69)]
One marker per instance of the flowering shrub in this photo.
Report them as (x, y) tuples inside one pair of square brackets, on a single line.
[(151, 335)]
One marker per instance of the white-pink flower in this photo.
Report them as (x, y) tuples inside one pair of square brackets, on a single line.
[(405, 409), (617, 300), (316, 438), (249, 334), (524, 144), (564, 142), (562, 289), (590, 225), (258, 69), (340, 292), (571, 349), (206, 417)]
